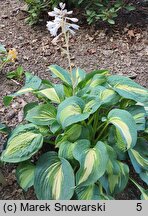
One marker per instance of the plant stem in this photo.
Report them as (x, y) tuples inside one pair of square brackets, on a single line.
[(98, 128), (100, 189), (90, 120), (84, 123), (101, 133), (95, 121), (66, 35), (3, 64)]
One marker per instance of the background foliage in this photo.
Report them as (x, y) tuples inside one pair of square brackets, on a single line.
[(94, 10)]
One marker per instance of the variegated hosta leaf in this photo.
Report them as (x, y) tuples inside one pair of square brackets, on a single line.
[(90, 192), (68, 91), (145, 105), (144, 193), (55, 94), (146, 127), (89, 77), (144, 176), (66, 150), (127, 88), (139, 115), (106, 197), (112, 141), (109, 96), (142, 146), (91, 105), (70, 111), (24, 142), (77, 76), (44, 130), (43, 114), (106, 96), (126, 129), (25, 175), (98, 79), (61, 73), (32, 83), (28, 107), (73, 133), (116, 177), (146, 108), (139, 161), (54, 178), (139, 155), (93, 162), (55, 127)]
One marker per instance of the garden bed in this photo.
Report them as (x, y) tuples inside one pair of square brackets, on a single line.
[(123, 49)]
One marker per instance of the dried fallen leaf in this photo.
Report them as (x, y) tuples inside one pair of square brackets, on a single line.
[(90, 38), (131, 33), (91, 51), (20, 116)]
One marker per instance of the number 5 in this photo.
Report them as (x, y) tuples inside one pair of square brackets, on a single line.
[(139, 207)]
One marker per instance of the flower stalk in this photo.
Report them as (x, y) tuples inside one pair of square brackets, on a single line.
[(64, 23)]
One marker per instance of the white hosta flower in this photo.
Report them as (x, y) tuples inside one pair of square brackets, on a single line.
[(60, 12), (53, 26), (62, 5), (62, 21)]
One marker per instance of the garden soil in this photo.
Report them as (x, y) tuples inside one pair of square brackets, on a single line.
[(122, 49)]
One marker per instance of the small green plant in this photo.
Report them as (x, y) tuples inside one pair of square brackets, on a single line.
[(104, 10), (4, 129), (36, 8), (16, 74), (92, 125)]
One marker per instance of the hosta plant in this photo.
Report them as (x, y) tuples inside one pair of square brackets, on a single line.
[(80, 136), (94, 123)]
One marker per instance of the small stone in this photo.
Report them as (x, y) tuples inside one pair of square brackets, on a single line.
[(15, 105), (133, 75), (72, 57), (20, 191), (21, 38), (34, 41), (4, 16), (11, 115), (107, 52), (20, 116), (2, 26), (26, 58), (111, 39), (13, 171), (72, 65), (90, 38), (24, 8)]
